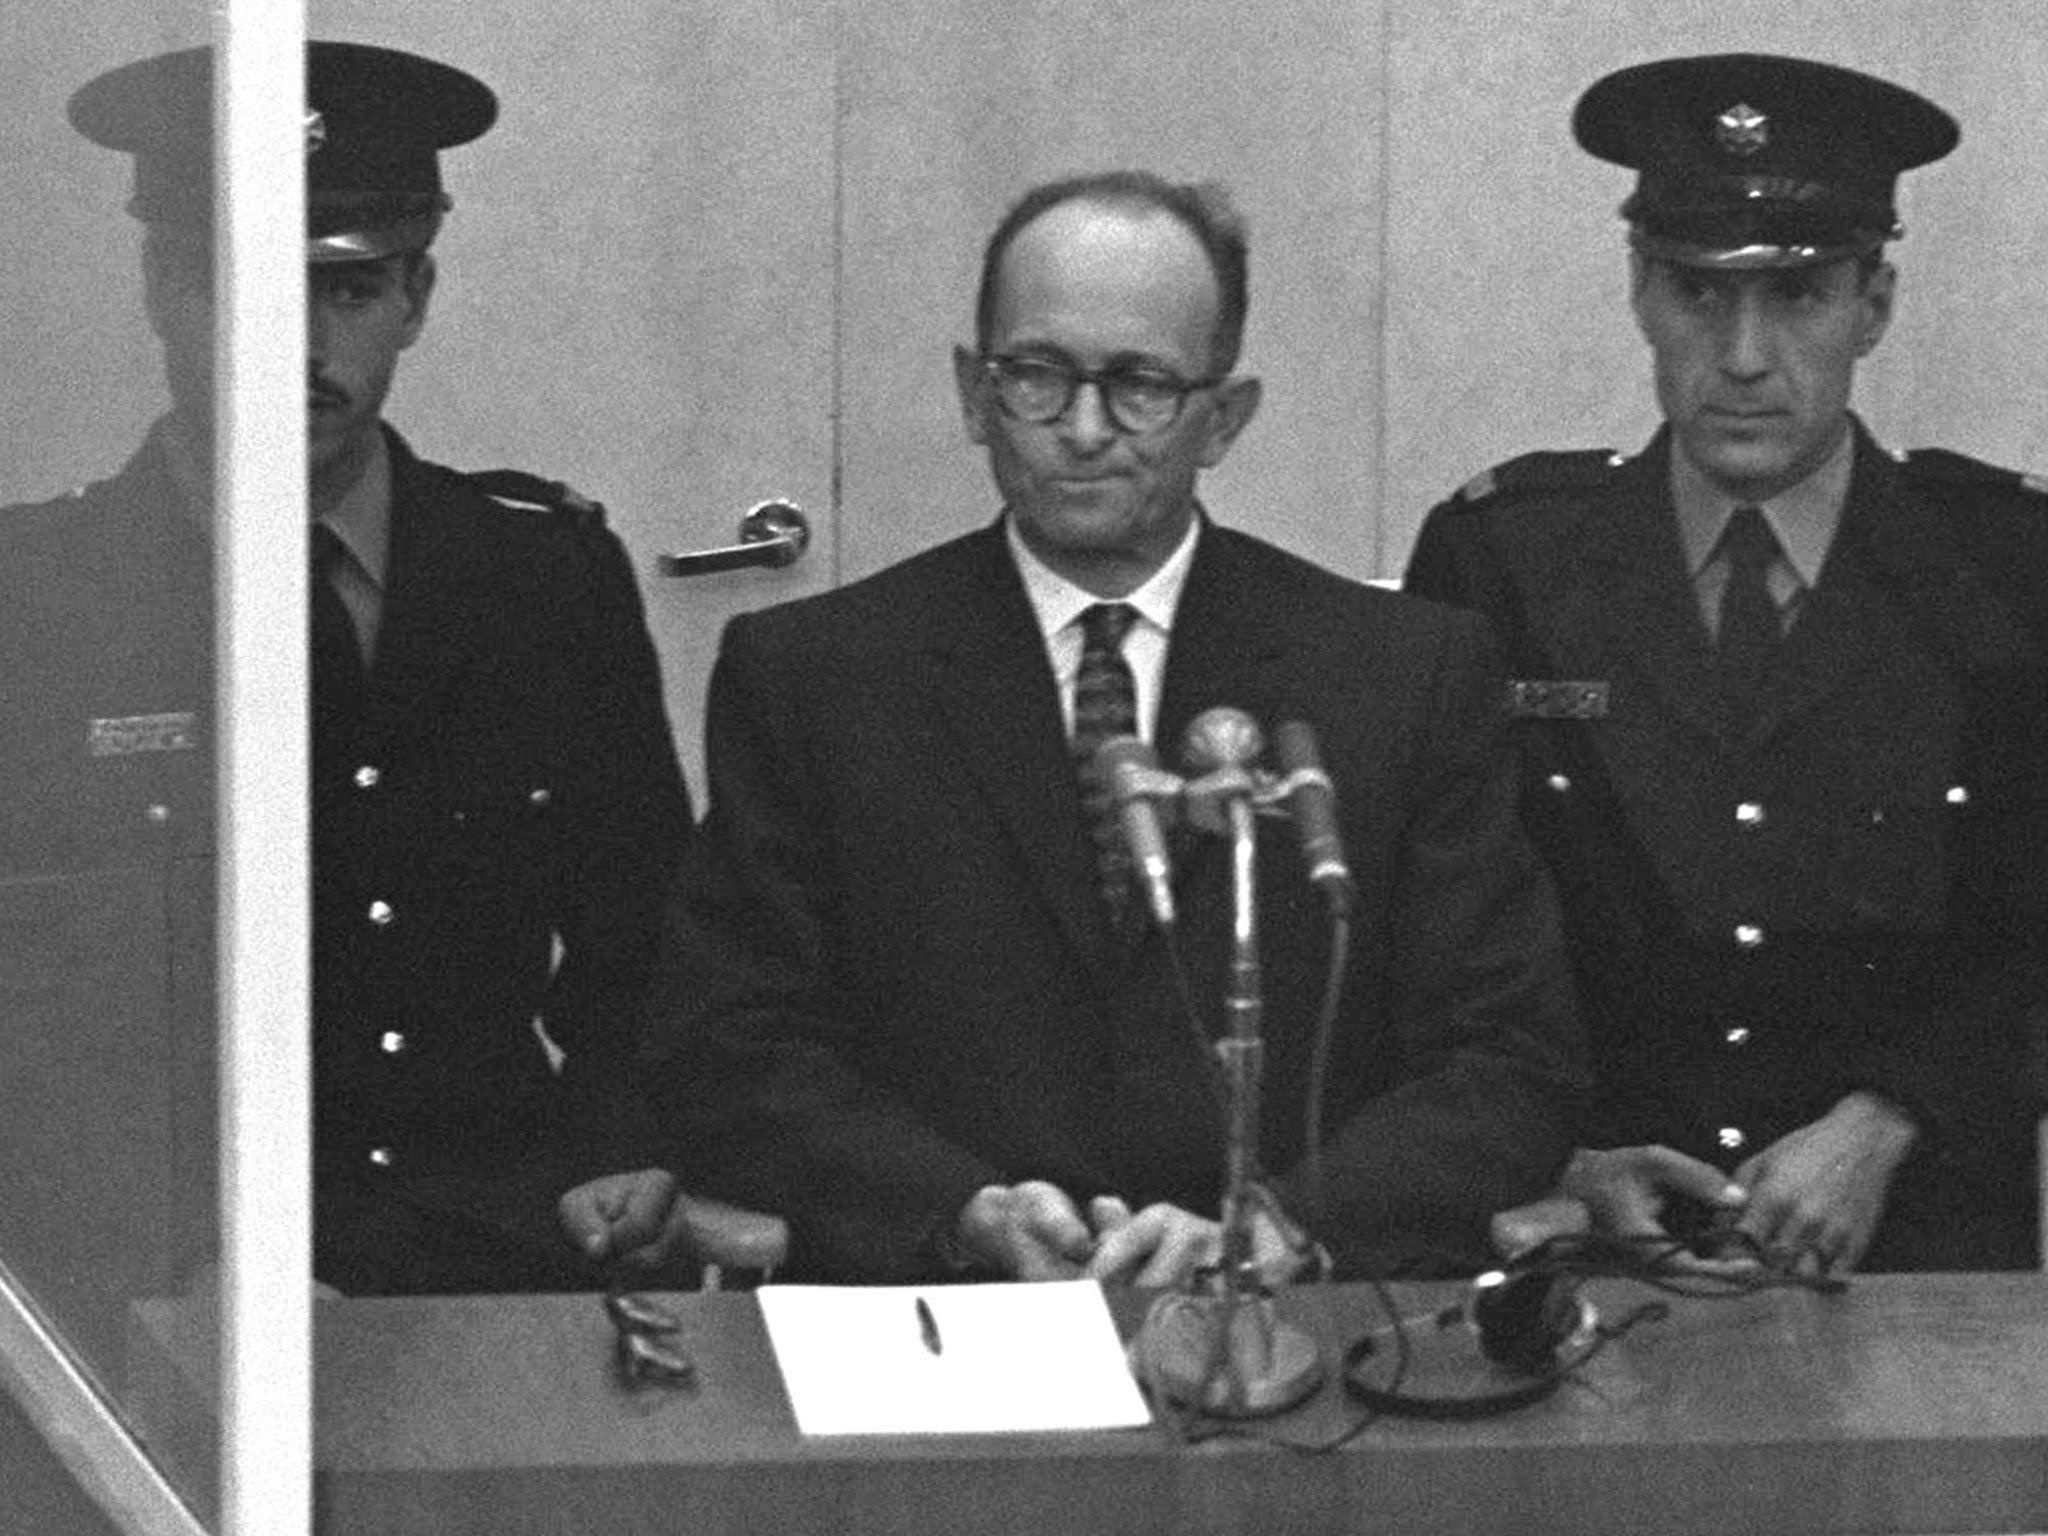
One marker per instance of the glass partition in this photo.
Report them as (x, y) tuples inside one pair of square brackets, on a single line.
[(116, 715)]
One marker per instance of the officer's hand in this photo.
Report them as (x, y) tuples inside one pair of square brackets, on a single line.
[(1626, 1189), (630, 1219), (1518, 1229), (1818, 1193), (1029, 1231), (1637, 1192)]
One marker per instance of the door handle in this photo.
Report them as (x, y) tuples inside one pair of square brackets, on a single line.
[(772, 534)]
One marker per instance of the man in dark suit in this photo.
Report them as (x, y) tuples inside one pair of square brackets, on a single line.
[(903, 1010), (1783, 698), (496, 801)]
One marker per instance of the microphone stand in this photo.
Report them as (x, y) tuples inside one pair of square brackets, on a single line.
[(1220, 1348)]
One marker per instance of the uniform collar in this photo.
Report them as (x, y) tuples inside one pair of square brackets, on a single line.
[(1804, 518), (362, 518)]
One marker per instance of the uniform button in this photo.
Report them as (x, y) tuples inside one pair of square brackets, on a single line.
[(1559, 782), (391, 1042), (381, 1157), (1731, 1138), (158, 815), (368, 776), (1749, 814), (1958, 794), (541, 796), (1738, 1036), (1748, 935), (381, 914)]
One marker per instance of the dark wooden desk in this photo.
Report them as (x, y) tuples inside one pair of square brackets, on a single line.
[(1912, 1403)]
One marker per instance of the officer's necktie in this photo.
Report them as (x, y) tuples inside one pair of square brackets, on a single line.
[(1105, 705), (340, 681), (1751, 633)]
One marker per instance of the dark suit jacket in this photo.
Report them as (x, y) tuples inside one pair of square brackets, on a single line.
[(1889, 866), (516, 834), (889, 979)]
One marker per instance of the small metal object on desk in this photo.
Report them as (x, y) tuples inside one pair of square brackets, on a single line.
[(647, 1352)]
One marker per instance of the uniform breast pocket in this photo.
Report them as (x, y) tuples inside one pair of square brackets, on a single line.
[(495, 834), (1888, 862)]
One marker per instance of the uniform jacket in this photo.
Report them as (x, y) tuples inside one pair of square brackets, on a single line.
[(890, 981), (493, 850), (108, 1134), (1846, 895)]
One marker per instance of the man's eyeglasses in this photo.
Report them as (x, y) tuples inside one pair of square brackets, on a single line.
[(1137, 400)]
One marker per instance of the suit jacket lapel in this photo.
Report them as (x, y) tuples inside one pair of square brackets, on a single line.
[(1893, 564), (1623, 610), (1845, 626), (438, 589), (1227, 637), (994, 689), (1228, 649)]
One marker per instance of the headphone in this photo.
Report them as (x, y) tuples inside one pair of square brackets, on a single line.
[(1530, 1320)]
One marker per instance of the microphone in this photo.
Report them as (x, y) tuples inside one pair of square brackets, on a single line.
[(1220, 747), (1315, 813), (1221, 1347), (1131, 771)]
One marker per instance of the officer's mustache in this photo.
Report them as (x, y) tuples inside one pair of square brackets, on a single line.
[(323, 392)]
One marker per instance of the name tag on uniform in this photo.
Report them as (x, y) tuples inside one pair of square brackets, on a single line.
[(1538, 698), (125, 735)]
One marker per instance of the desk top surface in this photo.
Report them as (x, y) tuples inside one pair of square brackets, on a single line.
[(1909, 1403)]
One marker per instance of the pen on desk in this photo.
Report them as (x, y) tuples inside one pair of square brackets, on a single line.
[(928, 1327)]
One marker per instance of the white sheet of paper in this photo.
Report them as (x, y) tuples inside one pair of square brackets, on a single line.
[(1011, 1357)]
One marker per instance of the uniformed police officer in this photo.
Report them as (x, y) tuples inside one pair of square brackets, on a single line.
[(496, 797), (1782, 694)]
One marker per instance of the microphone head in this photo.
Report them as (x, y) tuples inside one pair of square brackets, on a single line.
[(1222, 738), (1294, 743), (1128, 771)]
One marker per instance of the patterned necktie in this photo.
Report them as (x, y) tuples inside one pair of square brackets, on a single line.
[(1751, 632), (1105, 705), (340, 681)]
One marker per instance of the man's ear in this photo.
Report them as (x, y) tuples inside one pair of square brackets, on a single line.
[(1879, 290), (419, 276), (1638, 280), (1236, 403), (173, 272), (970, 378)]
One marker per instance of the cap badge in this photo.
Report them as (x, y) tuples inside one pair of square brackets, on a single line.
[(316, 131), (1742, 130)]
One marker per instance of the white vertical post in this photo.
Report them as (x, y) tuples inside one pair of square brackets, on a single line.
[(265, 1105)]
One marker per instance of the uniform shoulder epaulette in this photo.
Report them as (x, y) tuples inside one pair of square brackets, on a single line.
[(1960, 469), (1584, 469), (515, 488)]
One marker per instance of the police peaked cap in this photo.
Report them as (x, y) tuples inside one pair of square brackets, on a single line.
[(376, 120), (1752, 160)]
